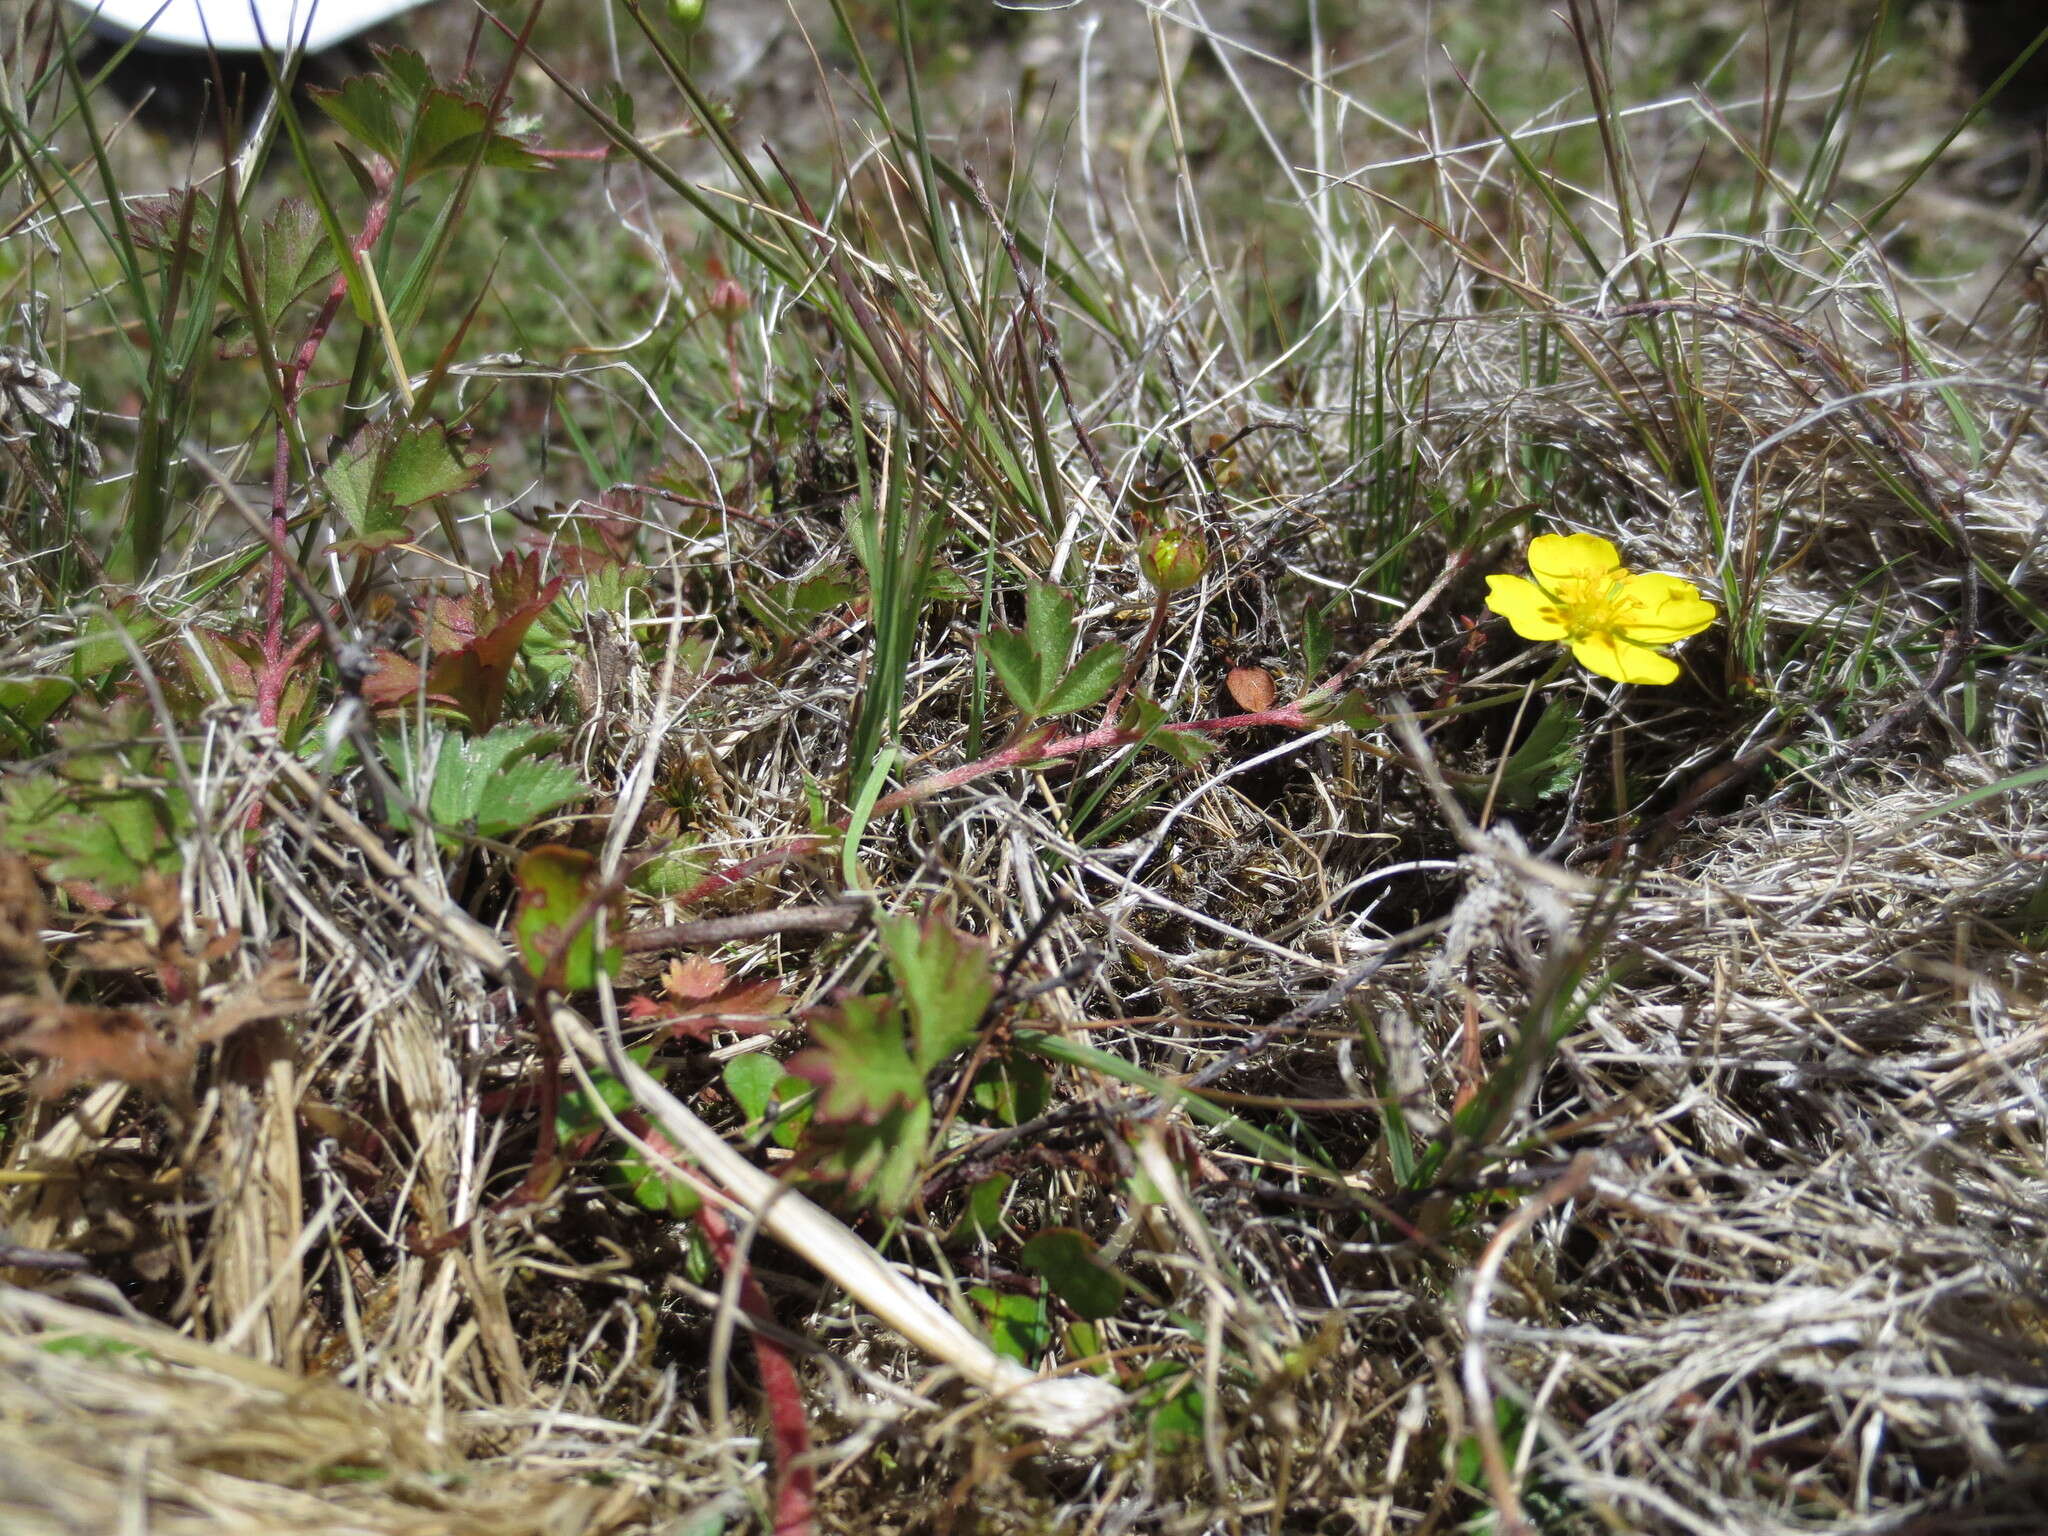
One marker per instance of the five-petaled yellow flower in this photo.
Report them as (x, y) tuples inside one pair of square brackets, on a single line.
[(1577, 592)]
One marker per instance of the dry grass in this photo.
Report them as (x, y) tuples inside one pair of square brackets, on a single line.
[(1664, 1152)]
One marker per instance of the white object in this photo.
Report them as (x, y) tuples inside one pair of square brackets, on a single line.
[(241, 26)]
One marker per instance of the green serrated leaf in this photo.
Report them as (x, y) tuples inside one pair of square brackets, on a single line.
[(1090, 680), (408, 72), (946, 980), (1066, 1258), (525, 793), (1049, 626), (110, 839), (402, 115), (555, 885), (494, 784), (387, 470), (648, 1185), (859, 1060), (291, 256), (366, 109), (1016, 668), (448, 130), (789, 609), (428, 461)]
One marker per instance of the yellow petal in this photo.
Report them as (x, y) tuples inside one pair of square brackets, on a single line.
[(1625, 663), (1562, 560), (1654, 609), (1526, 607)]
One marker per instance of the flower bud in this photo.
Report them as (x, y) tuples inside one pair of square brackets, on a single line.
[(1173, 559), (728, 300)]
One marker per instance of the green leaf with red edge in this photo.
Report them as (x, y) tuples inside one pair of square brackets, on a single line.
[(287, 258), (859, 1060), (556, 885), (872, 1118), (367, 109), (946, 981), (446, 135), (395, 682), (287, 254)]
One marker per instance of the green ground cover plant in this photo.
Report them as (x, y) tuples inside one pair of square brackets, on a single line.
[(1144, 770)]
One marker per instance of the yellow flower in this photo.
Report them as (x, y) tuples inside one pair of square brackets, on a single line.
[(1613, 621)]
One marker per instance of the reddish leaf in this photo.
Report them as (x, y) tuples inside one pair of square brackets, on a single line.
[(396, 681), (473, 642), (700, 997), (476, 675)]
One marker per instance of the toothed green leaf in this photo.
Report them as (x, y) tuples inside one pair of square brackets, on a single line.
[(1089, 682)]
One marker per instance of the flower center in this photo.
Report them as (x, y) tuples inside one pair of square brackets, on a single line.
[(1593, 607)]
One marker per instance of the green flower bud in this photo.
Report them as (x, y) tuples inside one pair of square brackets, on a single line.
[(687, 14), (1173, 559)]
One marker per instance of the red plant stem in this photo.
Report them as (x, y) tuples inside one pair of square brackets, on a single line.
[(733, 874), (1029, 753), (277, 663), (797, 1490)]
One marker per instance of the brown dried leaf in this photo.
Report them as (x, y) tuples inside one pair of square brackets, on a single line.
[(122, 952), (21, 915), (85, 1044), (275, 993), (1252, 687)]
